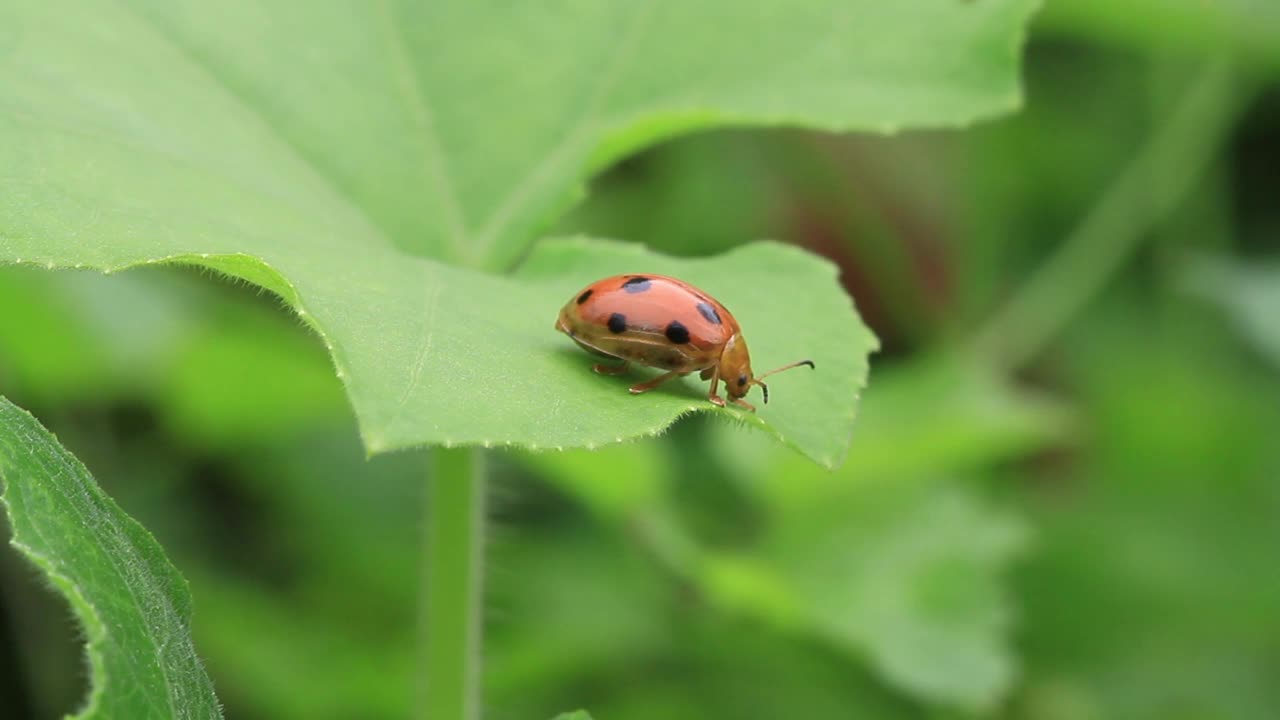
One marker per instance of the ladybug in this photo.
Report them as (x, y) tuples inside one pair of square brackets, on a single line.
[(664, 323)]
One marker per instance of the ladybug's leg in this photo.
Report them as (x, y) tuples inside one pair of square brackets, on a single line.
[(611, 369), (647, 386), (715, 385)]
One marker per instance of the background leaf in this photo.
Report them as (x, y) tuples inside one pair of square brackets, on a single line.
[(1249, 295), (880, 559), (1167, 521), (132, 603), (912, 579), (148, 132), (1249, 29)]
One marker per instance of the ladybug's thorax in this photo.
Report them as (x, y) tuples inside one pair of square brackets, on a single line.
[(735, 366)]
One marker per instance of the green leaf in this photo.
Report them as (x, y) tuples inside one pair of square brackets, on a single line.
[(903, 573), (576, 715), (908, 576), (1246, 28), (919, 589), (68, 316), (935, 416), (447, 129), (882, 558), (475, 359), (1250, 295), (790, 306), (336, 155), (132, 603), (1140, 525), (219, 366), (276, 654), (636, 471), (898, 569), (944, 413)]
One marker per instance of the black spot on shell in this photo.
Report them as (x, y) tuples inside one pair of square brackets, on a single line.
[(709, 313), (617, 323), (583, 297), (677, 333), (636, 284)]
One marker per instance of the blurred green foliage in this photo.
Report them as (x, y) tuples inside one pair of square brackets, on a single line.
[(1091, 534)]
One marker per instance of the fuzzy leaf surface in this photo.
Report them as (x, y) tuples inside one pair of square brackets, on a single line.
[(133, 605), (350, 156)]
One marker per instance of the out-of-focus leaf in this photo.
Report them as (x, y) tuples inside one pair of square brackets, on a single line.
[(249, 379), (907, 576), (576, 715), (1248, 28), (613, 481), (1164, 528), (928, 417), (37, 357), (878, 558), (273, 541), (1017, 194), (567, 603), (219, 367), (945, 413), (1249, 293), (713, 667), (77, 336), (699, 195), (287, 660), (132, 603)]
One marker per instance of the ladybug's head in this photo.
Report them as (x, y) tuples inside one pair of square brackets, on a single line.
[(735, 369)]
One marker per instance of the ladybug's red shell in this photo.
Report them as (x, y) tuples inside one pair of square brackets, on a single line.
[(665, 323), (650, 320)]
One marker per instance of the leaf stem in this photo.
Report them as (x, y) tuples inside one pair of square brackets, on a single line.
[(452, 592), (1155, 180)]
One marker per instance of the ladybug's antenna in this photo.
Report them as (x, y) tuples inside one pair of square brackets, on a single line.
[(765, 388), (787, 367)]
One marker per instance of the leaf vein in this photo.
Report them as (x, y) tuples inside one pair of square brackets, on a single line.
[(542, 172), (409, 79), (217, 81), (430, 304)]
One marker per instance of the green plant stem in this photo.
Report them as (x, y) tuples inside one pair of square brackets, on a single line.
[(1161, 173), (451, 598)]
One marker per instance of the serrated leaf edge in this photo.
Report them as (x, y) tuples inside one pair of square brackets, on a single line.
[(375, 445)]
